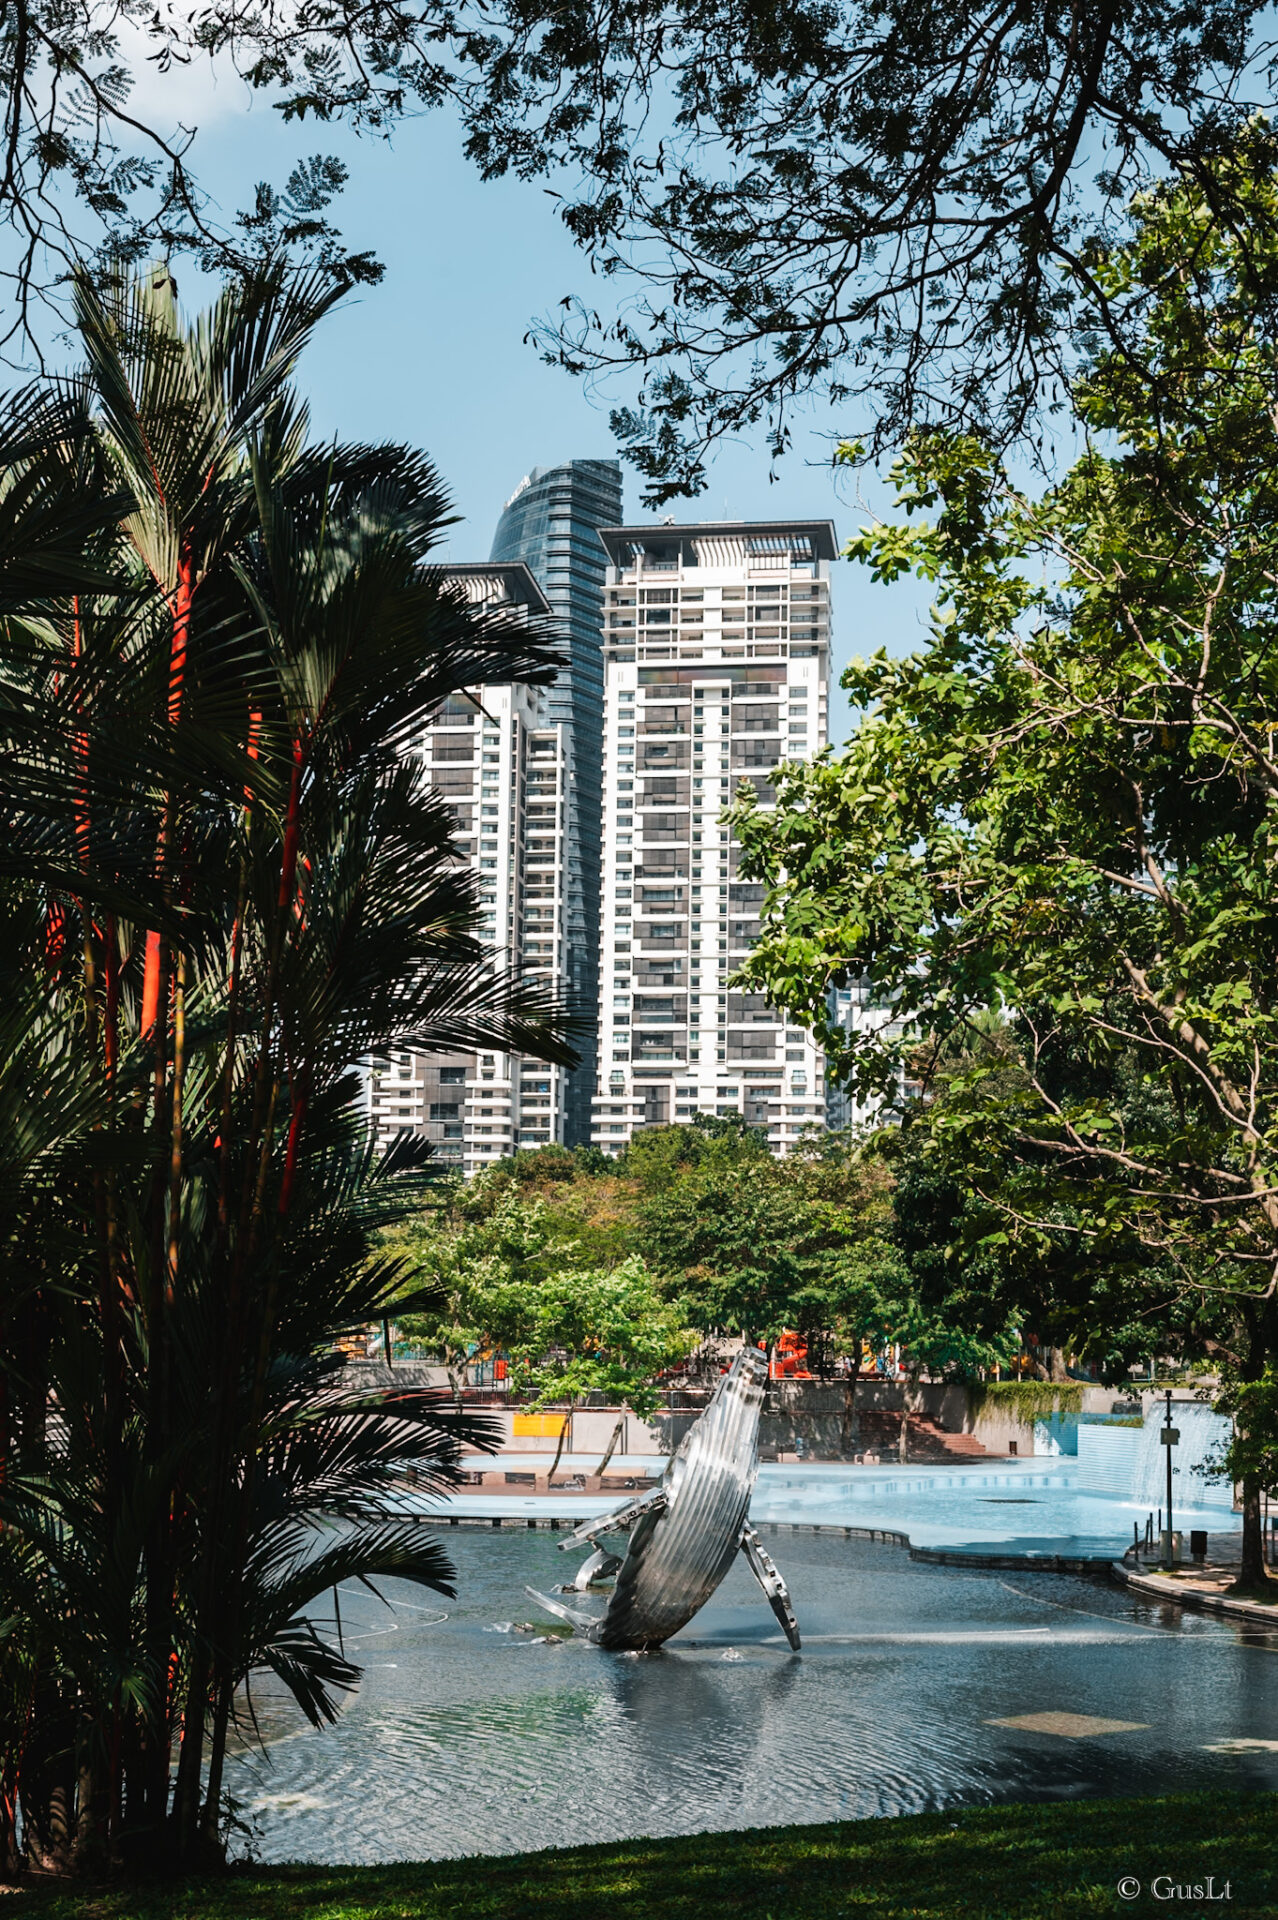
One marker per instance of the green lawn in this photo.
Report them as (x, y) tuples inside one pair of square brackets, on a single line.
[(1031, 1862)]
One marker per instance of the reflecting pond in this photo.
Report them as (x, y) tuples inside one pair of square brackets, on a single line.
[(469, 1737)]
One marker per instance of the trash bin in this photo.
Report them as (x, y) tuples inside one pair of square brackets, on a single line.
[(1198, 1545)]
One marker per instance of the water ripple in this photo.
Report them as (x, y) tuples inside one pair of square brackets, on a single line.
[(480, 1739)]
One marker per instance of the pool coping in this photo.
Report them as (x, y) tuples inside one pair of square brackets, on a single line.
[(1031, 1562), (1086, 1564)]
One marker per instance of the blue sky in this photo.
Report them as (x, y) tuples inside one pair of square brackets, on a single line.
[(436, 354)]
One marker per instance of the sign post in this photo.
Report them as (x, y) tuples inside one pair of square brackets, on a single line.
[(1169, 1436)]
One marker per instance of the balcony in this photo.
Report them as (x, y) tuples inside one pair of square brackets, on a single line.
[(752, 1007), (655, 758)]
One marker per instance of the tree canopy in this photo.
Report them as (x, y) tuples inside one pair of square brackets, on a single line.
[(1064, 807), (905, 201), (505, 1273), (832, 198), (590, 1275), (753, 1245)]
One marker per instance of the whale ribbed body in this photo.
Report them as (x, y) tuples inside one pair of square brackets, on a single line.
[(681, 1549)]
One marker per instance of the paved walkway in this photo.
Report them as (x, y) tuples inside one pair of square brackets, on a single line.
[(1205, 1588)]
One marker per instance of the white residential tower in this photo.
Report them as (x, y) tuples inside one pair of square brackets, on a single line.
[(716, 651), (504, 767)]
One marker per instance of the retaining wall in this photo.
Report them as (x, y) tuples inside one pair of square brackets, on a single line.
[(823, 1421)]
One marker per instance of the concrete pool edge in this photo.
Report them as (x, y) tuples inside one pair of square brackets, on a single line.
[(1031, 1560), (952, 1516)]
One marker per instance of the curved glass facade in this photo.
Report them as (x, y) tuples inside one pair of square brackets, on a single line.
[(551, 523)]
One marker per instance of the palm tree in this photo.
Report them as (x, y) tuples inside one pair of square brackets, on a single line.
[(250, 888)]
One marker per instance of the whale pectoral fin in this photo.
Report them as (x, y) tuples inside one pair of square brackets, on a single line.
[(765, 1572), (619, 1521), (560, 1611)]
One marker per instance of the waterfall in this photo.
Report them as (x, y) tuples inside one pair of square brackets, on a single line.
[(1203, 1438)]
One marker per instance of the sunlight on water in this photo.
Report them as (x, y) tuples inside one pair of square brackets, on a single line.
[(470, 1737)]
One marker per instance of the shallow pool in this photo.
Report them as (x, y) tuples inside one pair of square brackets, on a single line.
[(1035, 1507), (1030, 1507), (467, 1737)]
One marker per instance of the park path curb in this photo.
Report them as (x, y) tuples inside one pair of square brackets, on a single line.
[(1157, 1588)]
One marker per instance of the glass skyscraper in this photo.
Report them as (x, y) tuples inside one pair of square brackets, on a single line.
[(551, 522)]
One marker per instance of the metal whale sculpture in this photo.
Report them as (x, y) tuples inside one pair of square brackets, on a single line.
[(685, 1534)]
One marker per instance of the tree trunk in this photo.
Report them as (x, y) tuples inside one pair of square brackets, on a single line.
[(612, 1445), (907, 1401), (563, 1436), (1252, 1572), (212, 1852), (53, 1830), (11, 1769), (848, 1425)]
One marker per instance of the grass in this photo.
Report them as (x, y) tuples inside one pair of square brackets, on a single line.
[(989, 1863)]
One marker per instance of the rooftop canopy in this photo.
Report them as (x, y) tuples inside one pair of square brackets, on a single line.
[(722, 543)]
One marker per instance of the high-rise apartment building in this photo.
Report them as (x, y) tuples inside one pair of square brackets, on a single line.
[(503, 765), (716, 649), (860, 1011), (551, 522)]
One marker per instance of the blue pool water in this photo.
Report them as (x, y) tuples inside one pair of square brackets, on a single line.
[(1034, 1507), (1025, 1507)]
